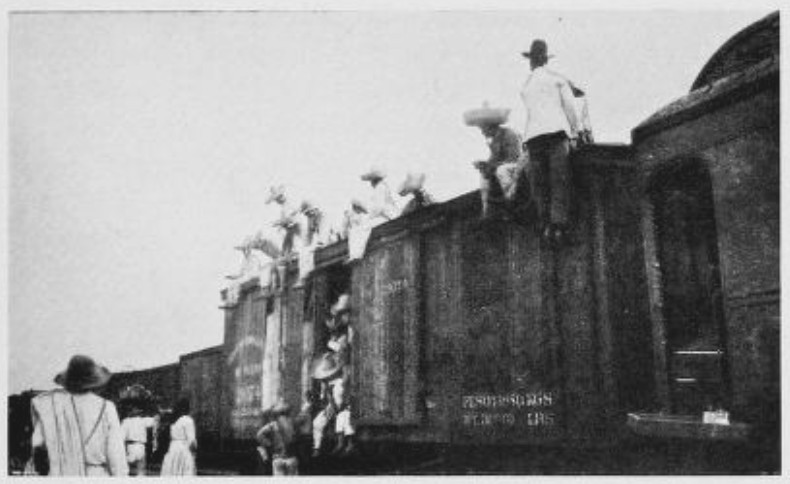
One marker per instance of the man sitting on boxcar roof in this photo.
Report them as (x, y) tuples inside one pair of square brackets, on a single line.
[(413, 185), (505, 165)]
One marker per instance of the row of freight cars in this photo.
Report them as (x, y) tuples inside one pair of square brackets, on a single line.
[(664, 303)]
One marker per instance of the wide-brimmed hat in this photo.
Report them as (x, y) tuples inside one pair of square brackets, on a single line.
[(342, 305), (538, 50), (374, 173), (307, 206), (83, 374), (275, 192), (358, 206), (486, 115), (326, 366), (279, 408), (284, 221), (411, 184)]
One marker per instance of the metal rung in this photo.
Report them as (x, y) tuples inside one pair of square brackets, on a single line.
[(699, 352), (685, 380)]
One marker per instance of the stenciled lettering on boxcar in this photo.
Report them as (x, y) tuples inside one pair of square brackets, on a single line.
[(245, 367), (531, 409), (508, 393)]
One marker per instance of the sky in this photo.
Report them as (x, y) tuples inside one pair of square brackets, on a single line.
[(142, 144)]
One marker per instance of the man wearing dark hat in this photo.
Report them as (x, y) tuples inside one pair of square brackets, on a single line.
[(77, 429), (552, 127)]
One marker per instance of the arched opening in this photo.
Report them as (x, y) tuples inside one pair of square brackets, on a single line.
[(687, 253)]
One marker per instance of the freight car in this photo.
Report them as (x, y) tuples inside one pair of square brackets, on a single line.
[(665, 302)]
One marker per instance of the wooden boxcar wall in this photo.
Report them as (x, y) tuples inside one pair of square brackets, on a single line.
[(732, 131), (263, 356), (164, 382), (243, 366), (470, 331), (201, 381)]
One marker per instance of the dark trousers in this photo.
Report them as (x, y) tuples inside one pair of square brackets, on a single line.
[(550, 176)]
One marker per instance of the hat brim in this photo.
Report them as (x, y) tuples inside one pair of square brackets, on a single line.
[(279, 409), (486, 117), (338, 311), (372, 176), (529, 55), (101, 375), (326, 366)]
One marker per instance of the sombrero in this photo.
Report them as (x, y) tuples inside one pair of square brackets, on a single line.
[(275, 192), (342, 305), (284, 222), (326, 366), (374, 173), (279, 408), (307, 206), (358, 206), (83, 374), (412, 183), (486, 116)]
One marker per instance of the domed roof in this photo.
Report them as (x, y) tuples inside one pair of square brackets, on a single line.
[(750, 57), (755, 43)]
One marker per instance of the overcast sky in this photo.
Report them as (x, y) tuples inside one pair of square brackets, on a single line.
[(142, 145)]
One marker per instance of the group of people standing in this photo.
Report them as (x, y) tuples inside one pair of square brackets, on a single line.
[(76, 432), (281, 440), (555, 124)]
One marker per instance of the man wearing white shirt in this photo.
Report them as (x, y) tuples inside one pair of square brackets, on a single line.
[(552, 127), (135, 432)]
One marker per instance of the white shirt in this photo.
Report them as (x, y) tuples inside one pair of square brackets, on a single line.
[(381, 206), (62, 420), (135, 429), (549, 103)]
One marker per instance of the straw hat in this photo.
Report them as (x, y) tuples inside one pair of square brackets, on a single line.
[(284, 221), (326, 366), (374, 173), (411, 184), (342, 305), (307, 206), (486, 115), (275, 192), (358, 206), (83, 374), (279, 408)]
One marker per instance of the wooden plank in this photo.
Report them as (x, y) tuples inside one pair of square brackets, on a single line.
[(292, 337), (442, 368), (576, 314), (272, 368), (385, 283), (244, 362)]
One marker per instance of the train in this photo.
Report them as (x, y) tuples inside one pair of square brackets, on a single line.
[(662, 307)]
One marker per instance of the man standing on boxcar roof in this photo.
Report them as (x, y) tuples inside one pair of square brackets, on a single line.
[(551, 130)]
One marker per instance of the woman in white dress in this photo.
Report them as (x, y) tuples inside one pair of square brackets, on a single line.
[(180, 458)]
